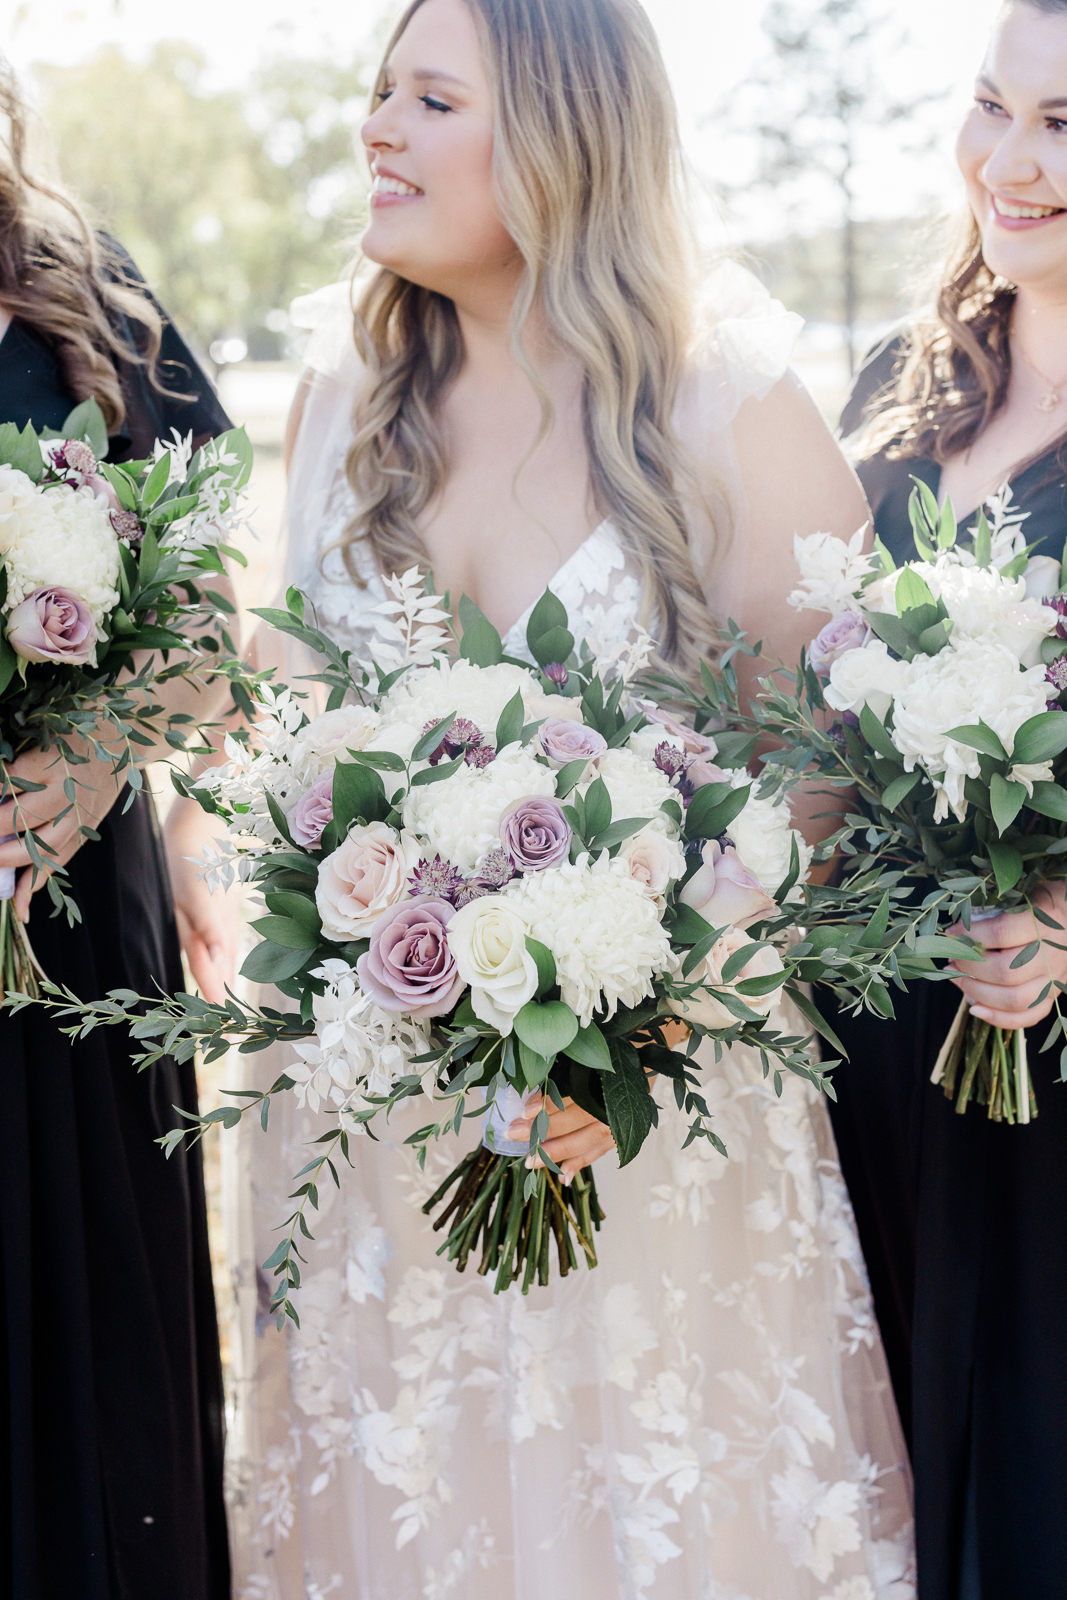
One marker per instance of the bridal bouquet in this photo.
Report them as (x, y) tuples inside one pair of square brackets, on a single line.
[(945, 680), (90, 555), (485, 880)]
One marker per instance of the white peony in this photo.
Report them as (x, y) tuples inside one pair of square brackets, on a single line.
[(601, 927), (57, 536), (487, 938), (459, 818), (327, 738), (477, 693), (831, 571), (970, 680), (637, 789), (867, 676), (981, 603), (763, 837)]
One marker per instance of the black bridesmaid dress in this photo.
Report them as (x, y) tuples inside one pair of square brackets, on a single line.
[(111, 1410), (962, 1220)]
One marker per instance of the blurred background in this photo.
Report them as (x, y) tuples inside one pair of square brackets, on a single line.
[(219, 142)]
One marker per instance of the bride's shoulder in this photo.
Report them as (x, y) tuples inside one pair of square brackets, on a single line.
[(742, 348)]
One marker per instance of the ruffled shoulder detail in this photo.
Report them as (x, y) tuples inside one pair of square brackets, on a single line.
[(327, 313), (743, 349)]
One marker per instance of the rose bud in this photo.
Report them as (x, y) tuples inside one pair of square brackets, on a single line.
[(53, 624), (724, 891), (849, 631), (312, 812), (563, 741)]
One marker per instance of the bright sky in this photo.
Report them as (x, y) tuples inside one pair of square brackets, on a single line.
[(709, 45)]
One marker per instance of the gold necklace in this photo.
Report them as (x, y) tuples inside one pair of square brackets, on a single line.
[(1052, 397)]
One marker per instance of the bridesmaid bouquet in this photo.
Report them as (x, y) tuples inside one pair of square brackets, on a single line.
[(482, 881), (90, 556), (944, 679)]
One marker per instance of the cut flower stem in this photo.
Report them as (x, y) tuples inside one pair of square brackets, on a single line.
[(490, 1205), (987, 1064)]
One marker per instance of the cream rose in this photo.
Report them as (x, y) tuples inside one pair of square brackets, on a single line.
[(652, 861), (487, 939), (363, 877), (704, 1007), (324, 741), (868, 676)]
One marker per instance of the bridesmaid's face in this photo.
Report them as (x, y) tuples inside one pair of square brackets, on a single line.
[(434, 218), (1012, 149)]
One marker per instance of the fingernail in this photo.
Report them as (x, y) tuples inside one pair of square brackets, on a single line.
[(519, 1130), (529, 1163), (981, 1014), (215, 952)]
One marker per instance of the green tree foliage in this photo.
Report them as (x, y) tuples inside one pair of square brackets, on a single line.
[(231, 202)]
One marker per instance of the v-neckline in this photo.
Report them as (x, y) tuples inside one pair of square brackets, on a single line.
[(524, 616)]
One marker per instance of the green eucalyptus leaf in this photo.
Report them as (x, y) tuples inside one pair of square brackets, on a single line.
[(630, 1107), (547, 1027), (1007, 800), (590, 1047)]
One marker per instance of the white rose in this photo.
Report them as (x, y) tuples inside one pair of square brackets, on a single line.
[(324, 741), (1041, 578), (703, 1006), (867, 676), (487, 939), (652, 861), (363, 877)]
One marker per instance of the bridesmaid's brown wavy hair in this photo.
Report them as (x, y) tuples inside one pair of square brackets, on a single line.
[(58, 276), (955, 363)]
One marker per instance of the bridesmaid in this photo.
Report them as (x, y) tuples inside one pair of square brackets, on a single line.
[(962, 1220), (111, 1415)]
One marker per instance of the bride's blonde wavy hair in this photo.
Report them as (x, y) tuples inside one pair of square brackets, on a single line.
[(588, 178)]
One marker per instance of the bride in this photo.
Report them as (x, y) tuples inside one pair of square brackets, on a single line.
[(707, 1415)]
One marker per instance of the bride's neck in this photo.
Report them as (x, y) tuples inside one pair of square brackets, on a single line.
[(1039, 328), (489, 360)]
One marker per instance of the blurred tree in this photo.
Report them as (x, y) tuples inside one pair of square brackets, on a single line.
[(810, 109), (230, 202)]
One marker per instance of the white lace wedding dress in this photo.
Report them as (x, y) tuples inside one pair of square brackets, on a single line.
[(706, 1416)]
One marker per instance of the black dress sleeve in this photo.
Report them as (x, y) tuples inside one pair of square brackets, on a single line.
[(870, 382), (187, 401)]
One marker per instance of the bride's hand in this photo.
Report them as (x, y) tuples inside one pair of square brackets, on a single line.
[(575, 1139), (1005, 995), (209, 925), (96, 791)]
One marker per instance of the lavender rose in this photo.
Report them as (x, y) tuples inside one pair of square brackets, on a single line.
[(312, 812), (849, 631), (563, 741), (535, 833), (409, 966), (53, 624), (724, 891)]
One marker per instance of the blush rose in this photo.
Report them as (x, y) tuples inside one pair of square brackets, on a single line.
[(53, 624), (366, 875)]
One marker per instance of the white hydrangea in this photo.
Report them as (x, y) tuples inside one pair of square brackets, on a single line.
[(57, 536), (602, 929), (459, 818), (763, 837), (357, 1049), (981, 603), (831, 571), (637, 789), (477, 693), (974, 679)]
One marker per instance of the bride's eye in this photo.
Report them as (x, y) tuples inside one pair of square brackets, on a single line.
[(433, 103), (1056, 124), (993, 107), (382, 94)]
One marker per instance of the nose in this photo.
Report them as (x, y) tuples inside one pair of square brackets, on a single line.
[(1012, 163), (381, 131)]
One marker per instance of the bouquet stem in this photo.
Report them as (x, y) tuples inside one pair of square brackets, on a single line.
[(490, 1205), (990, 1066), (19, 967)]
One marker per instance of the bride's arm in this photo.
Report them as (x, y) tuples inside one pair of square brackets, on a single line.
[(796, 481)]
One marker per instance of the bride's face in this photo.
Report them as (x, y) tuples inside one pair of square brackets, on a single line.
[(433, 216), (1012, 149)]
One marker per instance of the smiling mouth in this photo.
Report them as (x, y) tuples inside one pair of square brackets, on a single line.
[(1015, 212), (383, 185)]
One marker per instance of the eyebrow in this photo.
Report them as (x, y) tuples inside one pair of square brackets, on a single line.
[(1042, 105), (432, 75)]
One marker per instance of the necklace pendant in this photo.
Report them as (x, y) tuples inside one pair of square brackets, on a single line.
[(1049, 401)]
